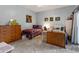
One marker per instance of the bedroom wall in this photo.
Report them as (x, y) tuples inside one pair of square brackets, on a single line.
[(18, 13), (63, 13)]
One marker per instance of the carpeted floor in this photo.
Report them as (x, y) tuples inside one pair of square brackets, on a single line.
[(37, 45)]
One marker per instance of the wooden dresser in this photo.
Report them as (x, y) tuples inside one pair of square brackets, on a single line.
[(56, 38), (9, 33)]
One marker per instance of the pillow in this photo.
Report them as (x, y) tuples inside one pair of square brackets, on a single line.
[(37, 26)]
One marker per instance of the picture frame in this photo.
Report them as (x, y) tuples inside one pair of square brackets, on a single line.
[(28, 19), (57, 18), (45, 19), (51, 18)]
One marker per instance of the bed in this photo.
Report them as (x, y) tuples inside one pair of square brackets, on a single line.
[(35, 31)]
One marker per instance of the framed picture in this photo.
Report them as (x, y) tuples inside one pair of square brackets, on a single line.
[(57, 18), (45, 19), (51, 18), (28, 19)]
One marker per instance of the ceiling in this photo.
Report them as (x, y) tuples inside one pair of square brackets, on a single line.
[(39, 8)]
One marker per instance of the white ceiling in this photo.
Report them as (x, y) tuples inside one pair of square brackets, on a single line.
[(39, 8)]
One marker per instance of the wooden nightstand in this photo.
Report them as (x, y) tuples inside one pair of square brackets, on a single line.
[(44, 36), (56, 38)]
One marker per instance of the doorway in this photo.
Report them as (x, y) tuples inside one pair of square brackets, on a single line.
[(69, 28)]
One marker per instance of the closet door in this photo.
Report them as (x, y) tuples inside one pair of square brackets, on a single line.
[(75, 29), (77, 32), (68, 26)]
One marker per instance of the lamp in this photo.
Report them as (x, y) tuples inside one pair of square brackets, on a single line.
[(13, 22), (46, 26)]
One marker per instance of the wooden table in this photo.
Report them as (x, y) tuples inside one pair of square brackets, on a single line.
[(56, 38), (44, 36)]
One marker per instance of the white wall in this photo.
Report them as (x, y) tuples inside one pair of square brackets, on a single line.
[(18, 13), (63, 13)]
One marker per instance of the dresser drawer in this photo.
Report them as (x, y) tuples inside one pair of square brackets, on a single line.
[(56, 38), (10, 33)]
